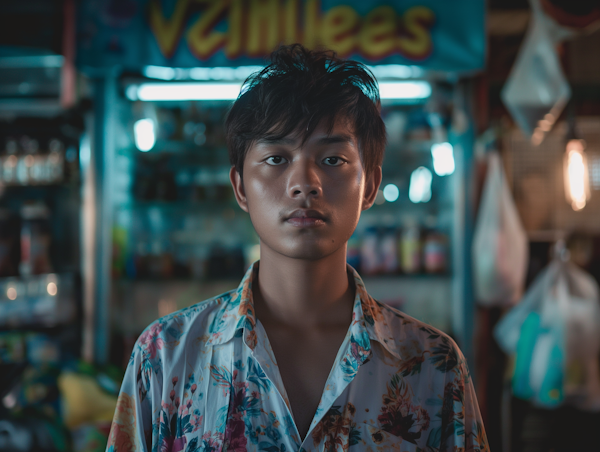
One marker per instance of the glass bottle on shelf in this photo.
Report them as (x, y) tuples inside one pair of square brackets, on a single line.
[(55, 161), (35, 239), (26, 159), (8, 243), (38, 164), (9, 162)]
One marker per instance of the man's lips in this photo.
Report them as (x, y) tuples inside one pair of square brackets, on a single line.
[(306, 218), (306, 213)]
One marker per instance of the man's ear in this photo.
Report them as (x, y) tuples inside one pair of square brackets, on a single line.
[(372, 182), (238, 188)]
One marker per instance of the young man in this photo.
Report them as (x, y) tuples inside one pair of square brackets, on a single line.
[(299, 357)]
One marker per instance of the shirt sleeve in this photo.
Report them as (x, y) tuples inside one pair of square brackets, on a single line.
[(131, 428), (462, 426)]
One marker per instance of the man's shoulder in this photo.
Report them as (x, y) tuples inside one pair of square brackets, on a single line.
[(200, 310), (189, 326), (404, 334)]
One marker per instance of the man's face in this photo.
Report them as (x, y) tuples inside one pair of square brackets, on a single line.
[(305, 200)]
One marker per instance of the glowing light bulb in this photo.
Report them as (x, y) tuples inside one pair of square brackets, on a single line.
[(144, 135), (443, 158), (11, 293), (391, 193), (419, 189), (577, 185), (51, 288)]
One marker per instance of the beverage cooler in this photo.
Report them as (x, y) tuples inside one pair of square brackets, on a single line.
[(40, 278), (39, 218)]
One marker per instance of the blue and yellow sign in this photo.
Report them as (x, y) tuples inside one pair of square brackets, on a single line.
[(433, 34)]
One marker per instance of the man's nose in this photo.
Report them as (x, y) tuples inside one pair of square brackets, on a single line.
[(304, 179)]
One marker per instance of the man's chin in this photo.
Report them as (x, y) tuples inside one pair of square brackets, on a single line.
[(312, 252), (312, 255)]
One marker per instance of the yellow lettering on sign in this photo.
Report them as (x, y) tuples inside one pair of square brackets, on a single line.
[(168, 31), (338, 29), (256, 27), (201, 37), (263, 20), (417, 22), (233, 48), (377, 35), (312, 11), (290, 22)]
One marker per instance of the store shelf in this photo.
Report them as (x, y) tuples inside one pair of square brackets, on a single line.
[(408, 145), (19, 107), (404, 203), (46, 186), (40, 300), (179, 205), (407, 276), (182, 147)]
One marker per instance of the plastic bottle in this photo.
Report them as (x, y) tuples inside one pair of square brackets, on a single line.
[(369, 252), (410, 249), (389, 251), (434, 253)]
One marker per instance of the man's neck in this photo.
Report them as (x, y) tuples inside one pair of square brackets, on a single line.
[(302, 293)]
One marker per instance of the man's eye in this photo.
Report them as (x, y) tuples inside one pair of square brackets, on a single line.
[(275, 160), (333, 161)]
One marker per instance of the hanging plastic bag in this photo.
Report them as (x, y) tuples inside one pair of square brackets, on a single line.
[(554, 334), (582, 379), (537, 90), (540, 348), (500, 244)]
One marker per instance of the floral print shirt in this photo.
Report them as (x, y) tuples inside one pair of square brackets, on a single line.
[(205, 379)]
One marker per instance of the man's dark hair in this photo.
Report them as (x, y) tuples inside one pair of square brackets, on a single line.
[(298, 90)]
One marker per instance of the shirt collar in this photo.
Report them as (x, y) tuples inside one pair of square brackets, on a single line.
[(236, 313), (368, 315)]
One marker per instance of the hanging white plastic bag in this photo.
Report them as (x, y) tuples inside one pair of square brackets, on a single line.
[(537, 90), (500, 244), (582, 379), (554, 334)]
